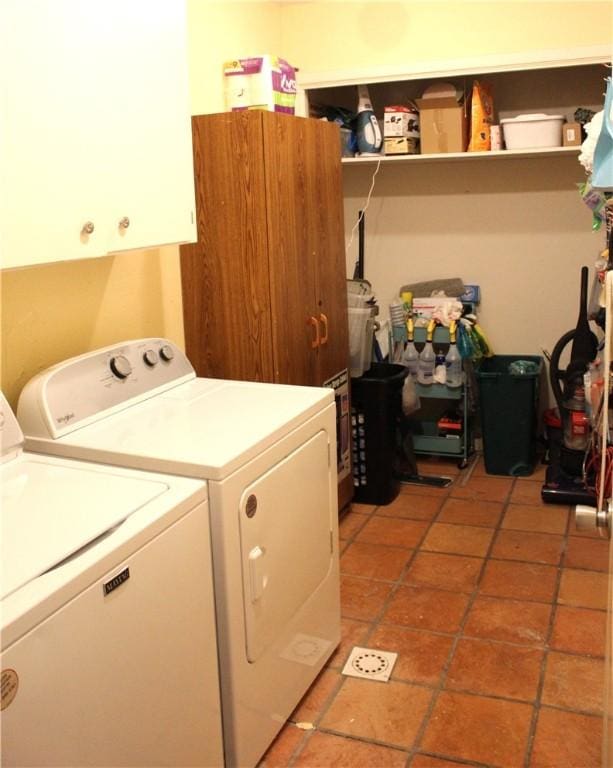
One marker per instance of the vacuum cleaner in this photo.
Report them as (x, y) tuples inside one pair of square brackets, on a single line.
[(565, 481)]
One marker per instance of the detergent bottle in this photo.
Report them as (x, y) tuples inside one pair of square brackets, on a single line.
[(367, 128)]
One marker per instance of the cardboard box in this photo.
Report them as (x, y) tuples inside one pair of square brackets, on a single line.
[(400, 121), (401, 146), (443, 126), (571, 135), (260, 82)]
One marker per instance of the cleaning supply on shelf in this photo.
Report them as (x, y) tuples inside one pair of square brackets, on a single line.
[(425, 372), (453, 361), (367, 128), (481, 117), (410, 356), (440, 368)]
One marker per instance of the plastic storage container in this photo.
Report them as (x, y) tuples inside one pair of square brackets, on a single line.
[(376, 406), (509, 414), (532, 131), (361, 330)]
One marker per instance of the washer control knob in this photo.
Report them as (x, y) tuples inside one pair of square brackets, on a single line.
[(150, 357), (120, 366), (167, 353)]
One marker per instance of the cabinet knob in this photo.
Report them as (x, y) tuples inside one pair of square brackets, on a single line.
[(312, 321), (87, 228), (124, 223), (324, 336)]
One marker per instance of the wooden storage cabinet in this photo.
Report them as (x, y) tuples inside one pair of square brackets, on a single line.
[(264, 292), (95, 129)]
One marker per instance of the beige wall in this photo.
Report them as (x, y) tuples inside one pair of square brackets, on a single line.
[(323, 36), (51, 312)]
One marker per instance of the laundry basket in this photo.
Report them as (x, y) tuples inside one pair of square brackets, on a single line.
[(376, 404)]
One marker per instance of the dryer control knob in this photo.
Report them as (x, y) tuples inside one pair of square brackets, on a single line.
[(167, 353), (121, 367), (150, 357)]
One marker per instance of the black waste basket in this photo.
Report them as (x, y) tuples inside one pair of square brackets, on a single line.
[(376, 405), (509, 414)]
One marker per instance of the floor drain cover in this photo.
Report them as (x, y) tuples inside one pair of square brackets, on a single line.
[(370, 663)]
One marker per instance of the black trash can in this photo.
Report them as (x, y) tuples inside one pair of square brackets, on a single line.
[(509, 414), (376, 406)]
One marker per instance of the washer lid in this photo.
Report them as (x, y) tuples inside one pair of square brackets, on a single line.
[(51, 510)]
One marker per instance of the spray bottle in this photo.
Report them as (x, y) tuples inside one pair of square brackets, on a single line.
[(410, 356), (367, 128), (453, 361), (425, 372)]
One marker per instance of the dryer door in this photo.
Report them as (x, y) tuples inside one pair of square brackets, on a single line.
[(286, 540)]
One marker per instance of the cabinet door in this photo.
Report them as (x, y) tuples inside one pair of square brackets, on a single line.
[(328, 233), (148, 124), (53, 128), (95, 128), (292, 194), (226, 294)]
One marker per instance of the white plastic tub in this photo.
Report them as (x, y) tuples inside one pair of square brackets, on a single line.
[(532, 131)]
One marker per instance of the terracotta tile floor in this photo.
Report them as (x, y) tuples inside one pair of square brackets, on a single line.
[(496, 607)]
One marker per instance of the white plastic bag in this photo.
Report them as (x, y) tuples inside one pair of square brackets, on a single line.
[(410, 398)]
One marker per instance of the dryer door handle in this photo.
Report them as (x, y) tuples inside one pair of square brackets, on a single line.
[(256, 573)]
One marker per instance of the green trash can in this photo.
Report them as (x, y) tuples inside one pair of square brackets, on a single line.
[(509, 412)]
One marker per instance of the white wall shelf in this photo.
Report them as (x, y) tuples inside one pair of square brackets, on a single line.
[(505, 154)]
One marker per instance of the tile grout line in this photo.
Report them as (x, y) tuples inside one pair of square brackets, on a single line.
[(375, 623), (543, 671), (373, 626), (459, 633)]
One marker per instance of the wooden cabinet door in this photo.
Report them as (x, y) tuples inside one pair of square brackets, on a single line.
[(328, 226), (225, 275), (292, 193)]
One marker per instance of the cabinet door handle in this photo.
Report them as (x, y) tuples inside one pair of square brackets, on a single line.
[(314, 322), (87, 228), (324, 321), (124, 222)]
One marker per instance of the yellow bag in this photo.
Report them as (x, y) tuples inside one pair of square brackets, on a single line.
[(481, 117)]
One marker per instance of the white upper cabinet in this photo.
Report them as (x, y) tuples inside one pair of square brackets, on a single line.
[(95, 134)]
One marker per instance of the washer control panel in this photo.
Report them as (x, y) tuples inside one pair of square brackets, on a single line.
[(82, 389)]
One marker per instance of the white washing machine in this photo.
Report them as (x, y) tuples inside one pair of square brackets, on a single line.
[(107, 601), (268, 453)]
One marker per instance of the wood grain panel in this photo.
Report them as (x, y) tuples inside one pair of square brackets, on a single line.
[(328, 228), (292, 256), (226, 297)]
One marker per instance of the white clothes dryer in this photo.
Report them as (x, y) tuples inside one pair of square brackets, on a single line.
[(268, 453), (107, 601)]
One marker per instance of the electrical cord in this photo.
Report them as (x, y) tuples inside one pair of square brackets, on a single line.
[(363, 211)]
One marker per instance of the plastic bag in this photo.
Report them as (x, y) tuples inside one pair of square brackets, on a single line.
[(410, 398), (481, 117), (464, 342)]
